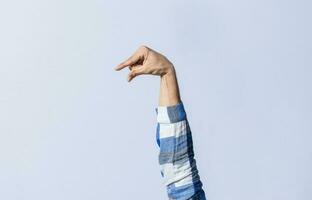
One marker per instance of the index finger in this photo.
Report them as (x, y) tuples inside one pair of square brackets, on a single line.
[(139, 54), (130, 61)]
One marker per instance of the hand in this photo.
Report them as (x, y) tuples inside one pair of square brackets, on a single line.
[(146, 61)]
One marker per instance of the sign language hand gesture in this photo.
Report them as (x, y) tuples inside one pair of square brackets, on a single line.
[(146, 61)]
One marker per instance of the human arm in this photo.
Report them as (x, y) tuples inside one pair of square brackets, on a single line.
[(174, 138)]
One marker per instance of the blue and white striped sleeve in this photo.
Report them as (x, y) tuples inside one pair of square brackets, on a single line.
[(176, 156)]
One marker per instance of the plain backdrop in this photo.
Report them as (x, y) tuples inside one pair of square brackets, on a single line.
[(71, 128)]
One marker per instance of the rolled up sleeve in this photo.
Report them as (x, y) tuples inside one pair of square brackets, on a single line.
[(176, 156)]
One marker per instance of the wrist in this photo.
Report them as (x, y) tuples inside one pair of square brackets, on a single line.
[(170, 71)]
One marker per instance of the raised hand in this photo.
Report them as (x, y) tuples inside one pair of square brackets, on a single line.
[(146, 61)]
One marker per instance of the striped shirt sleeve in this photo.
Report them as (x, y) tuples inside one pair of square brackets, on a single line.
[(176, 156)]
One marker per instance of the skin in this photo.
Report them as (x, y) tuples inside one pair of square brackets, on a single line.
[(146, 61)]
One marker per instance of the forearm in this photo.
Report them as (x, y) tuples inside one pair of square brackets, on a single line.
[(169, 88), (174, 137)]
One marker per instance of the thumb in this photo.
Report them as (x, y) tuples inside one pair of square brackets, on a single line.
[(134, 73)]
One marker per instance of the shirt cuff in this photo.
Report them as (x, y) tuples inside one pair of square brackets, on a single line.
[(171, 114)]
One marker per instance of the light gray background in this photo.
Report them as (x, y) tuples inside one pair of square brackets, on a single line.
[(73, 129)]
